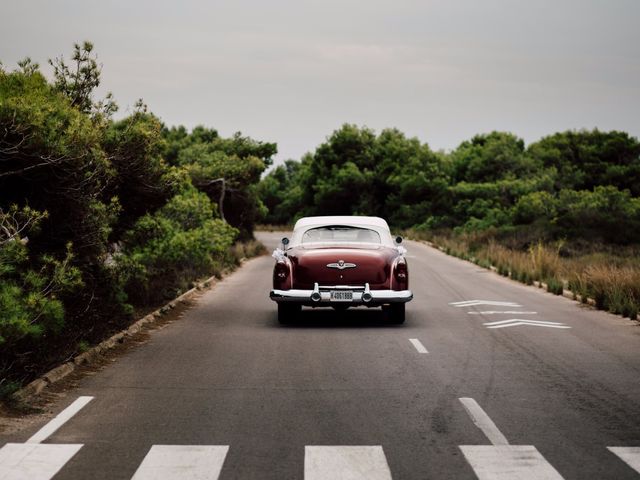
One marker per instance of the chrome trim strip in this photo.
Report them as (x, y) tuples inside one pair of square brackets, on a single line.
[(377, 296)]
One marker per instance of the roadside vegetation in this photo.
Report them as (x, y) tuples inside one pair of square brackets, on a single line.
[(102, 219), (564, 211)]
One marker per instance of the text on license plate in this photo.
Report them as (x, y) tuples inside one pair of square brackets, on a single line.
[(341, 296)]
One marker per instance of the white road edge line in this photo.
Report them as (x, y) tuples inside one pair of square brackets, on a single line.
[(483, 422), (60, 419), (419, 347)]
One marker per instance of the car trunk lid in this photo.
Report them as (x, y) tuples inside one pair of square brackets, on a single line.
[(341, 266)]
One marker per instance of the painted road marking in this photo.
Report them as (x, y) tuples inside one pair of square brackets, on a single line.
[(181, 462), (345, 463), (630, 455), (60, 419), (508, 462), (483, 422), (501, 461), (473, 303), (419, 347), (496, 312), (34, 461), (516, 322)]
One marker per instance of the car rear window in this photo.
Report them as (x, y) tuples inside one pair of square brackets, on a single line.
[(341, 234)]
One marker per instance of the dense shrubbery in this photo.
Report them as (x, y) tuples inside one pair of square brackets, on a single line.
[(28, 297), (169, 248), (99, 217)]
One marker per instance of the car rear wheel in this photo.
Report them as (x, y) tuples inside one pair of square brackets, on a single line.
[(396, 313), (288, 312)]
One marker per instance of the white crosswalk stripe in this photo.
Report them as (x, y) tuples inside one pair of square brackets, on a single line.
[(345, 463), (34, 461), (630, 455), (182, 462), (508, 462), (500, 461)]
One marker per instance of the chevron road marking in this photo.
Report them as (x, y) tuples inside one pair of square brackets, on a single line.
[(474, 303), (182, 462), (515, 322), (34, 461), (501, 461), (630, 455), (509, 312), (345, 463)]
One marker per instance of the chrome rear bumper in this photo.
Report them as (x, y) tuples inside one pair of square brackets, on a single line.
[(321, 295)]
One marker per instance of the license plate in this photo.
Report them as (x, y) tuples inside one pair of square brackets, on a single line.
[(341, 296)]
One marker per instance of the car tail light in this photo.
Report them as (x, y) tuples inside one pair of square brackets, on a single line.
[(281, 271), (401, 275), (282, 275)]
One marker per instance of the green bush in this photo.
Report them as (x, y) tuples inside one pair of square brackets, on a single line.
[(165, 250), (29, 303)]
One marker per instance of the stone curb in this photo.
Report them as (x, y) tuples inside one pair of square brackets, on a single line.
[(58, 373), (565, 292)]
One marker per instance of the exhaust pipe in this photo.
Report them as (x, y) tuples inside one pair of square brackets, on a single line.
[(315, 296), (366, 296)]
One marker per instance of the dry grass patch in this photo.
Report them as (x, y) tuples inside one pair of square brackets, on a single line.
[(610, 277)]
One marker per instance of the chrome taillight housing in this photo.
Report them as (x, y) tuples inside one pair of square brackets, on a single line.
[(282, 275), (401, 275)]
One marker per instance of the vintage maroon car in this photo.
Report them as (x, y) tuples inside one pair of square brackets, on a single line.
[(341, 262)]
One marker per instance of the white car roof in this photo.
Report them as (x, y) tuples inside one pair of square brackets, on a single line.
[(347, 220), (373, 223)]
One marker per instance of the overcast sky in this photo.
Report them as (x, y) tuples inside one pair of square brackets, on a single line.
[(292, 71)]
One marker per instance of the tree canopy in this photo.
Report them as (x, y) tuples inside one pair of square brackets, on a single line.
[(572, 184)]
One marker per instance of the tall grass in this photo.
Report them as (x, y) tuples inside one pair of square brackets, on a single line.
[(247, 249), (611, 278)]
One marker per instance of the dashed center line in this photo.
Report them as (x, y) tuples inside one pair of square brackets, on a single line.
[(419, 347)]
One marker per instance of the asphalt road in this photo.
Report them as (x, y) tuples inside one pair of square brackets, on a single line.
[(442, 397)]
